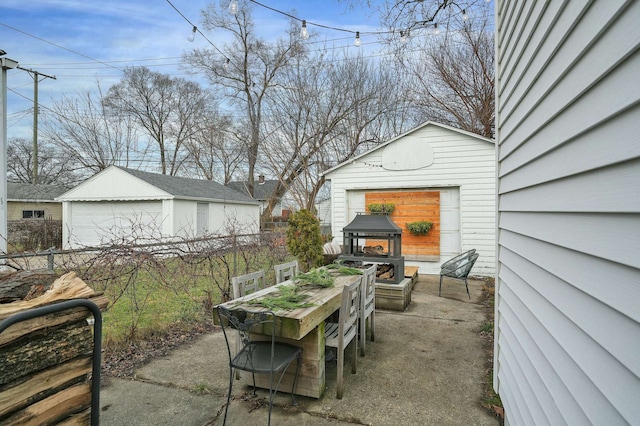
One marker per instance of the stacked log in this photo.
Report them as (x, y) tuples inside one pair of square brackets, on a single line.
[(45, 362)]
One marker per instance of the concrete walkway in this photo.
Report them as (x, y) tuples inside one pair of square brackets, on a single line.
[(425, 367)]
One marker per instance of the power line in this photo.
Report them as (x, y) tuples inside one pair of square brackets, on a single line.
[(60, 47)]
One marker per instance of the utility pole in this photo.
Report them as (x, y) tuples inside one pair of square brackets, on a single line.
[(35, 75)]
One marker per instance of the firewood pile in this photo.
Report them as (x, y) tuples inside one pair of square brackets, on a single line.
[(385, 271), (45, 362)]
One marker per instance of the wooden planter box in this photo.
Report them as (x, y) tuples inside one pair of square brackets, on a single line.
[(397, 297), (45, 362)]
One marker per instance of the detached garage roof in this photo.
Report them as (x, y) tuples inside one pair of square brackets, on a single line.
[(119, 183), (34, 193)]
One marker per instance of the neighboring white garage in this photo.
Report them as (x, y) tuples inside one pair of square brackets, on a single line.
[(118, 205)]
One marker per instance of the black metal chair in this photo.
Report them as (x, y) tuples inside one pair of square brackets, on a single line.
[(458, 268), (257, 356)]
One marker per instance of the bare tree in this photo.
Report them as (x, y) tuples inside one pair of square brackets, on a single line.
[(216, 148), (52, 167), (453, 78), (245, 70), (324, 115), (168, 109), (87, 135)]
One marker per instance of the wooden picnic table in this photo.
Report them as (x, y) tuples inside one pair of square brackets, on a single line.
[(303, 327)]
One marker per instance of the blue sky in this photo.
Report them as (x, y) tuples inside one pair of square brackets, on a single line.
[(82, 41)]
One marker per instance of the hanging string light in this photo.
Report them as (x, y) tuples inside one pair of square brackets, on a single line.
[(192, 34), (357, 42), (436, 30), (464, 15), (226, 63), (233, 7), (403, 36), (304, 34)]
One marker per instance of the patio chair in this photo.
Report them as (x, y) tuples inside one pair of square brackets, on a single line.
[(286, 271), (243, 285), (339, 335), (458, 268), (257, 356), (247, 284), (367, 306)]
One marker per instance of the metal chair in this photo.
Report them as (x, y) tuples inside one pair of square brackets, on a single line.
[(257, 356), (367, 306), (339, 335), (458, 268), (247, 284), (286, 271)]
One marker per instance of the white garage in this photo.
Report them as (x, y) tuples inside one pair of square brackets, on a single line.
[(433, 172), (121, 205)]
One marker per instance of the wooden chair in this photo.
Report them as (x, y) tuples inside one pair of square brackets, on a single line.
[(458, 268), (247, 284), (339, 335), (367, 306), (262, 356), (286, 271), (243, 285)]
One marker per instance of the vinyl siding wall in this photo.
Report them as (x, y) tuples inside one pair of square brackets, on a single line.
[(459, 161), (568, 286)]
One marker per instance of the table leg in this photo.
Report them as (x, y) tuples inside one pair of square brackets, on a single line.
[(311, 382)]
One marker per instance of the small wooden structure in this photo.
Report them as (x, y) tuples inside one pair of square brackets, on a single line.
[(46, 361)]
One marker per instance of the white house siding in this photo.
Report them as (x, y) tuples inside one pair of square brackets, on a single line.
[(568, 286), (461, 162)]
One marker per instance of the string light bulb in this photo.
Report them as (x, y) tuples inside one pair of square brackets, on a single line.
[(403, 36), (464, 15), (233, 7), (226, 63), (304, 34), (357, 42), (192, 34), (436, 30)]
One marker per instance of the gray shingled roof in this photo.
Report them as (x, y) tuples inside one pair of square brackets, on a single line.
[(29, 192), (261, 192), (192, 188)]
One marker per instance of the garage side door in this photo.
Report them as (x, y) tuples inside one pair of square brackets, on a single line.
[(98, 223)]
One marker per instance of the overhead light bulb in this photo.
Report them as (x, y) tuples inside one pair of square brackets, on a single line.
[(192, 34), (233, 7), (304, 34), (357, 42)]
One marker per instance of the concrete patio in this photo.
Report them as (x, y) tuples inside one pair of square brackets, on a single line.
[(426, 367)]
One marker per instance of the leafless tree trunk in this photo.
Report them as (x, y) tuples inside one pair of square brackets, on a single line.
[(88, 136), (168, 109), (245, 70), (53, 167), (455, 79), (325, 115)]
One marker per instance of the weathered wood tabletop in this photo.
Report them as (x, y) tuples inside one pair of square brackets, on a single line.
[(297, 323)]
